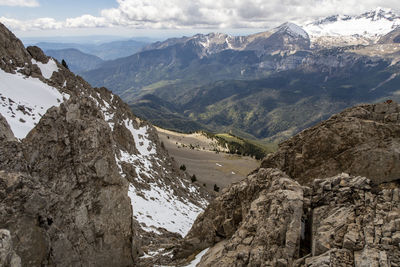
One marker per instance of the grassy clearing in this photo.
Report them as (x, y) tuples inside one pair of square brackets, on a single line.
[(245, 147)]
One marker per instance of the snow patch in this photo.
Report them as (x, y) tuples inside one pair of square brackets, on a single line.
[(24, 100), (197, 259), (140, 136), (106, 110), (48, 68), (228, 43), (159, 207)]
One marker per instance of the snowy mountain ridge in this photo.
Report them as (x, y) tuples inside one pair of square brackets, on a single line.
[(336, 30), (287, 36), (369, 24)]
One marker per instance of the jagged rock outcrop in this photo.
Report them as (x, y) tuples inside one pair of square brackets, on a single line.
[(269, 219), (12, 51), (68, 207), (239, 222), (85, 181), (5, 132), (37, 54), (364, 140)]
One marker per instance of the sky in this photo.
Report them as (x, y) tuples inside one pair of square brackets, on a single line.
[(152, 18)]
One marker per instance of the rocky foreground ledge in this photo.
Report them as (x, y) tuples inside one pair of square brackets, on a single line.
[(269, 219)]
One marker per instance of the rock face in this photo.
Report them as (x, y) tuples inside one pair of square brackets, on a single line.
[(84, 180), (270, 220), (62, 207), (5, 132), (392, 37), (12, 50), (244, 217), (7, 255), (364, 140), (354, 223)]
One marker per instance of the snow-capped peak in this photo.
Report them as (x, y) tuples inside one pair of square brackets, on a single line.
[(379, 13), (293, 29), (369, 24)]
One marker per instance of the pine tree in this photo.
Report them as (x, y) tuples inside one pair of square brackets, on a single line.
[(64, 64), (216, 188)]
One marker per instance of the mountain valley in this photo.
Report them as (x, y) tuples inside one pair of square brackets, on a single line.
[(280, 148), (249, 85)]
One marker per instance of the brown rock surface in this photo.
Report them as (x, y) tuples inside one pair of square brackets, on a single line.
[(339, 221), (12, 51), (242, 219), (5, 132), (61, 212), (37, 54), (364, 140)]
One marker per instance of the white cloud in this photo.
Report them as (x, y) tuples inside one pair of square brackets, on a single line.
[(41, 24), (184, 14), (24, 3), (86, 21)]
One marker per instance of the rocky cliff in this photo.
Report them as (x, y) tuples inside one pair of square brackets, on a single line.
[(364, 140), (306, 211), (83, 182)]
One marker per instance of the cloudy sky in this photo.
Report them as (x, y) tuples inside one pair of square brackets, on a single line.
[(151, 17)]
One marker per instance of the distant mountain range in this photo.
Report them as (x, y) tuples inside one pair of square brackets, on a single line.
[(268, 85), (105, 51), (77, 61)]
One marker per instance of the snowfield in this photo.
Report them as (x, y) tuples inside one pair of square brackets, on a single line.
[(158, 207), (381, 23), (24, 100), (48, 68)]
